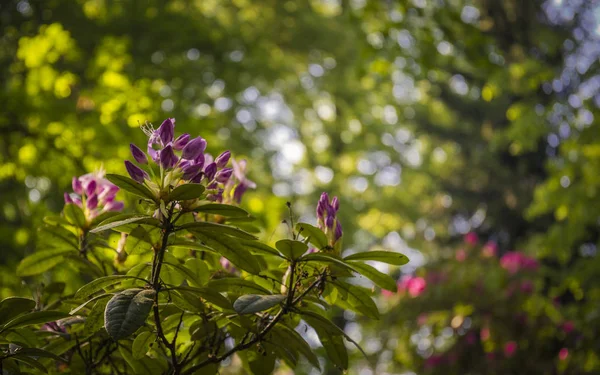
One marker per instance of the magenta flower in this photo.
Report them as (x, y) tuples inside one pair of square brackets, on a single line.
[(327, 219), (568, 327), (471, 238), (415, 286), (461, 255), (243, 183), (77, 186), (490, 249), (563, 354), (223, 175), (514, 261), (96, 195), (510, 348), (168, 159), (210, 171)]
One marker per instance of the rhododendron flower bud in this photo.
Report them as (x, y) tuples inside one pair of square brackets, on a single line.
[(210, 171), (335, 204), (191, 170), (135, 172), (114, 206), (223, 175), (181, 141), (329, 222), (563, 354), (338, 230), (68, 198), (90, 188), (168, 159), (77, 186), (166, 131), (510, 348), (223, 159), (91, 202), (193, 148), (138, 154), (200, 159)]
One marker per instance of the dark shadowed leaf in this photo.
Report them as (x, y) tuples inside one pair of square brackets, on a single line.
[(131, 186), (186, 192), (13, 306), (127, 311), (222, 210), (101, 283), (203, 227), (252, 303)]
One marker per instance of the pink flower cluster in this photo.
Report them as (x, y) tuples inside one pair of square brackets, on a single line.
[(415, 286), (515, 261), (94, 194)]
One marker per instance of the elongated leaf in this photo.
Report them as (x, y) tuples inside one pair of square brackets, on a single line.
[(116, 221), (75, 310), (186, 192), (200, 270), (59, 237), (315, 235), (141, 344), (74, 215), (42, 261), (292, 339), (203, 227), (101, 283), (291, 249), (95, 319), (13, 306), (190, 245), (30, 361), (222, 210), (259, 248), (185, 272), (253, 303), (331, 337), (328, 259), (127, 311), (380, 279), (35, 317), (186, 301), (36, 352), (388, 257), (358, 299), (131, 186), (236, 285), (209, 295), (138, 241), (232, 250)]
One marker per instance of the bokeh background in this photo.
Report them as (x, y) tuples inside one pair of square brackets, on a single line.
[(461, 133)]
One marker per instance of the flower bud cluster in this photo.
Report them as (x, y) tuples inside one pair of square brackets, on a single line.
[(327, 219), (94, 194)]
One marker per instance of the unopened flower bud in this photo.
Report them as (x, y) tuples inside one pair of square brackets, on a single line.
[(68, 198), (91, 202), (138, 154), (223, 175), (329, 222), (338, 231), (181, 141), (77, 186), (335, 203), (210, 171), (90, 188), (223, 159), (200, 160), (114, 206), (168, 159), (191, 170), (166, 131), (135, 172), (193, 148)]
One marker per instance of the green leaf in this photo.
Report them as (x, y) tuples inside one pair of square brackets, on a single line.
[(378, 278), (190, 245), (186, 301), (125, 219), (260, 363), (30, 361), (13, 306), (200, 271), (73, 311), (74, 215), (101, 283), (357, 298), (95, 319), (35, 317), (314, 234), (186, 192), (209, 295), (388, 257), (222, 210), (328, 259), (204, 227), (59, 237), (253, 303), (291, 249), (293, 340), (236, 285), (259, 248), (331, 339), (232, 250), (131, 186), (141, 344), (36, 352), (185, 272), (127, 311), (138, 241), (41, 261)]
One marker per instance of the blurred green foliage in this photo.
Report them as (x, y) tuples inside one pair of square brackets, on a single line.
[(430, 119)]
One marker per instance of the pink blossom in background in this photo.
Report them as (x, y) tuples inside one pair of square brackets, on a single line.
[(471, 338), (490, 249), (434, 361), (568, 326), (563, 354), (484, 334), (510, 349), (526, 287), (422, 319), (461, 255), (471, 238), (386, 293), (514, 261), (415, 286)]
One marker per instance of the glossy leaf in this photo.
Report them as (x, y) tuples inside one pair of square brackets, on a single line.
[(236, 285), (380, 279), (292, 339), (257, 247), (388, 257), (119, 220), (74, 215), (230, 249), (138, 241), (127, 311), (141, 344), (131, 186), (95, 319), (222, 210), (207, 227), (36, 317), (253, 303), (186, 192)]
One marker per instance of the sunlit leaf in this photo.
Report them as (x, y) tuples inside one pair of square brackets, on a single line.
[(291, 249), (314, 234), (42, 261), (186, 192), (388, 257), (131, 186)]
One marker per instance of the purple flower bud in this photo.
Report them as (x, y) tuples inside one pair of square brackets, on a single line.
[(191, 170), (335, 203), (320, 209), (77, 201), (194, 148), (329, 222), (212, 185), (210, 171), (138, 154), (135, 172), (90, 188), (218, 197), (166, 131), (114, 206), (337, 234), (77, 187), (200, 160), (91, 202), (223, 175), (181, 141), (197, 178), (223, 159), (68, 198), (168, 159), (239, 191)]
